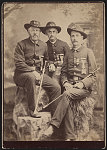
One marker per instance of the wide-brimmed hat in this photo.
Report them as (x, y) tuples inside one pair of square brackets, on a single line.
[(50, 25), (77, 28), (32, 23)]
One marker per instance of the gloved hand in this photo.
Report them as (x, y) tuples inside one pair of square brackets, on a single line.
[(37, 75), (68, 86), (51, 68), (79, 85)]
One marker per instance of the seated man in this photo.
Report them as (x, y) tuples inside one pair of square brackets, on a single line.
[(56, 48), (78, 64), (28, 54)]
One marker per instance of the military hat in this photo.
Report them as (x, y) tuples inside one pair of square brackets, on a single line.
[(77, 28), (51, 25), (32, 23)]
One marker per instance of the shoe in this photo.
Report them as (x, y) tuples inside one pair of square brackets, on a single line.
[(67, 140), (36, 115), (49, 131), (70, 140)]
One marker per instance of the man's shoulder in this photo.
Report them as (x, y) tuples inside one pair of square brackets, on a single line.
[(23, 41), (87, 49), (62, 42), (42, 43)]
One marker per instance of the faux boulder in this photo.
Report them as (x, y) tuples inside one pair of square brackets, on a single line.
[(31, 129), (21, 104)]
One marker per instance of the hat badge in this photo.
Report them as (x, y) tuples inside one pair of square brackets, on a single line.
[(34, 22)]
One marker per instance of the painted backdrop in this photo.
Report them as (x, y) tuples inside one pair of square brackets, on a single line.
[(17, 14)]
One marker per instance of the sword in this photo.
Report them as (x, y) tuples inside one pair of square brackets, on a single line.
[(51, 102), (95, 70), (35, 111), (92, 73)]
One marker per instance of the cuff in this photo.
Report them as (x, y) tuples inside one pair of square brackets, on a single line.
[(64, 82), (83, 84), (87, 82)]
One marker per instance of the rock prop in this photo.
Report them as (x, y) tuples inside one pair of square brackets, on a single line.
[(21, 113), (26, 127), (83, 116), (31, 129), (82, 109), (21, 104)]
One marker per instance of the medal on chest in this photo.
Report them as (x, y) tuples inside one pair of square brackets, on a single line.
[(77, 62), (83, 67)]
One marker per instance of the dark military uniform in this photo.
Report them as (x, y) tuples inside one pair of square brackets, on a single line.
[(77, 65), (59, 47), (56, 52), (27, 55)]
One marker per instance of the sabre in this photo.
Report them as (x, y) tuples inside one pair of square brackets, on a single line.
[(51, 102), (95, 70), (62, 94), (35, 111)]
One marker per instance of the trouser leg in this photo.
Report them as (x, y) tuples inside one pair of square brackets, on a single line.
[(60, 111), (75, 94), (63, 105), (28, 81), (69, 124), (53, 90)]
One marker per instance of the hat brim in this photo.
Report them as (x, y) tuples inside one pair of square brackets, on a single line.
[(27, 26), (43, 29), (82, 33)]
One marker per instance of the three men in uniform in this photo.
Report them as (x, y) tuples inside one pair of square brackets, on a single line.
[(78, 63)]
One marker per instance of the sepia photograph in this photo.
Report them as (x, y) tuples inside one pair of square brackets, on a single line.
[(53, 74)]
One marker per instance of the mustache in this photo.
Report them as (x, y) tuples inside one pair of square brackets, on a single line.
[(35, 35), (51, 36)]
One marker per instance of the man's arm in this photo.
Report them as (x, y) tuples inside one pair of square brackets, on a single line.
[(64, 74), (46, 57), (64, 70), (92, 66), (20, 59), (66, 48)]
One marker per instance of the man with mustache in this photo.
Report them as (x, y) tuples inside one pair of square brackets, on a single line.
[(56, 48), (78, 64), (28, 54)]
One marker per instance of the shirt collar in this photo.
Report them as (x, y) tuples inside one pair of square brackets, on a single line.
[(53, 43), (37, 43), (77, 50)]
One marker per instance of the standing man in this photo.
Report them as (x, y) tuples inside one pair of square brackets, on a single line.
[(56, 48), (28, 54), (78, 63)]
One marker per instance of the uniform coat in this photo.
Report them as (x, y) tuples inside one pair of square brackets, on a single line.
[(54, 52), (59, 47), (77, 65), (27, 55)]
